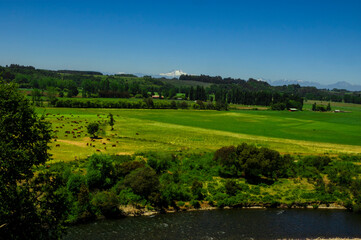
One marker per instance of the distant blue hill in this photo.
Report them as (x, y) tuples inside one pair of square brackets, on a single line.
[(338, 85)]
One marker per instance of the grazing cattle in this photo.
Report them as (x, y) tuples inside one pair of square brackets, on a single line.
[(65, 135), (105, 148), (87, 144), (74, 136), (68, 132), (104, 144), (78, 136), (137, 134), (93, 145), (114, 145), (117, 141), (55, 140), (57, 145), (108, 139), (98, 150)]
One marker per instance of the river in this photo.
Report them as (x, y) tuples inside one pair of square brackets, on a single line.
[(226, 224)]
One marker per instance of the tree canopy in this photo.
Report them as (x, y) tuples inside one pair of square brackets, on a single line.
[(24, 139)]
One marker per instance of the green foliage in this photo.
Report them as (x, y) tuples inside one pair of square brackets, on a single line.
[(127, 196), (160, 161), (278, 106), (93, 129), (231, 187), (321, 108), (107, 204), (195, 204), (149, 102), (183, 105), (143, 182), (227, 157), (74, 183), (111, 120), (123, 169), (319, 162), (24, 142), (100, 171), (172, 192), (251, 162), (197, 190)]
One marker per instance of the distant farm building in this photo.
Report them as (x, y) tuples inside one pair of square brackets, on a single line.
[(293, 109), (157, 97)]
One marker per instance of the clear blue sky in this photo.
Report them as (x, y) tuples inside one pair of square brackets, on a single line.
[(296, 40)]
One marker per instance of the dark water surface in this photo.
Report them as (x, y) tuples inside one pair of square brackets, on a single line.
[(227, 224)]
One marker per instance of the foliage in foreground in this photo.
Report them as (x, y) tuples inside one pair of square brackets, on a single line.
[(239, 176), (34, 204)]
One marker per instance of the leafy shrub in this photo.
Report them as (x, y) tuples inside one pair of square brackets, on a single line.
[(319, 162), (183, 105), (172, 192), (231, 187), (93, 128), (197, 190), (278, 106), (123, 169), (143, 181), (74, 183), (160, 162), (195, 204), (127, 196), (107, 203), (100, 171), (252, 162)]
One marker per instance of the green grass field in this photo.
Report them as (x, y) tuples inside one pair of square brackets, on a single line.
[(144, 130)]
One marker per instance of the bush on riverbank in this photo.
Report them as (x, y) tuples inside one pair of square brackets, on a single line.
[(241, 176)]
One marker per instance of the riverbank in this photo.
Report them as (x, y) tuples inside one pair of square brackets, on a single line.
[(230, 224), (132, 211)]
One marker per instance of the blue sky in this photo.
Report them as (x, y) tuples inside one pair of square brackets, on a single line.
[(296, 40)]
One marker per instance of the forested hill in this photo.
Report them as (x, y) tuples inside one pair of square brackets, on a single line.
[(73, 83)]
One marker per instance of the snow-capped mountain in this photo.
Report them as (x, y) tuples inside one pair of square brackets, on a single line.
[(173, 74)]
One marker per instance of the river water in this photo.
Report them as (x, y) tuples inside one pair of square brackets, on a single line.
[(227, 224)]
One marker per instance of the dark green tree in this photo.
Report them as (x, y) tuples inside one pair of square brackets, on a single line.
[(36, 97), (314, 106), (328, 107), (143, 181), (93, 129), (111, 120), (31, 207)]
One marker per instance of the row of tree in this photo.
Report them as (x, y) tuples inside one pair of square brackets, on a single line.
[(90, 84)]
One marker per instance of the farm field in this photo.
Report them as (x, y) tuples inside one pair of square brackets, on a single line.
[(142, 130)]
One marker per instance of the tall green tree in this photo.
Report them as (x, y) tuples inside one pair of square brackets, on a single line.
[(93, 129), (111, 120), (31, 207)]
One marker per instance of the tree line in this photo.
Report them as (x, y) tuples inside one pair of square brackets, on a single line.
[(91, 84)]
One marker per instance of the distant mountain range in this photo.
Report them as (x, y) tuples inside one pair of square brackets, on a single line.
[(338, 85)]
